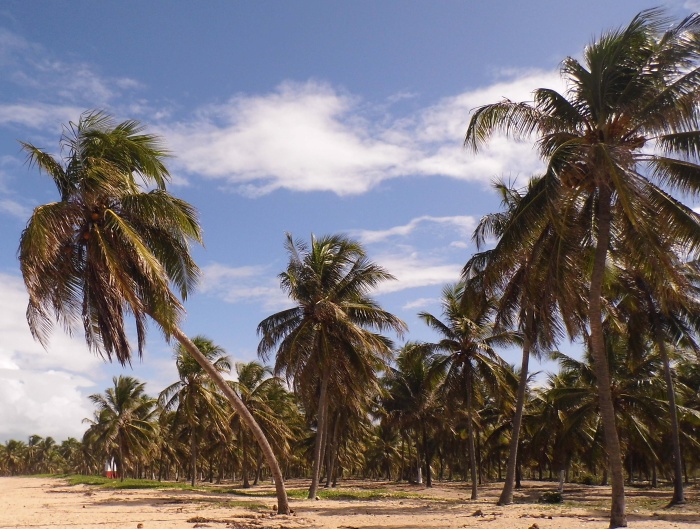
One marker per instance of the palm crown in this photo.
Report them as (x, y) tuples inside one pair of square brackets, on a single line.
[(109, 246)]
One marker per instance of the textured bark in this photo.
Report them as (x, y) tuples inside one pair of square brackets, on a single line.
[(618, 517), (193, 455), (506, 497), (470, 441), (320, 436), (678, 494), (246, 416)]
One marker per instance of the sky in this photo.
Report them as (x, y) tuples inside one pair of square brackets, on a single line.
[(306, 117)]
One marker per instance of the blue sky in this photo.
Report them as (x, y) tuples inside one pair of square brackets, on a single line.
[(302, 117)]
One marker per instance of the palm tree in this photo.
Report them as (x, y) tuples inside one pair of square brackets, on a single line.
[(262, 394), (661, 313), (194, 396), (412, 399), (636, 87), (125, 420), (467, 339), (529, 285), (326, 341), (12, 456), (109, 248)]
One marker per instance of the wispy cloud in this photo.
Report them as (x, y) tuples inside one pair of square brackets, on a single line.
[(464, 225), (414, 270), (245, 284)]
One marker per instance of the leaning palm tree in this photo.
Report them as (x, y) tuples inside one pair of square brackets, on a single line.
[(194, 397), (636, 88), (467, 343), (108, 247), (326, 343), (125, 421)]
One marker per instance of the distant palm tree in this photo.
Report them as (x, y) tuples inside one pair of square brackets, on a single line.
[(12, 456), (125, 421), (636, 87), (109, 248), (412, 399), (326, 343), (261, 393), (467, 343), (194, 397)]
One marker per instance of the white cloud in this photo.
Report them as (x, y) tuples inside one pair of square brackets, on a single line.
[(38, 116), (248, 284), (313, 137), (45, 403), (303, 137), (464, 225), (40, 390), (413, 270), (14, 208), (420, 303)]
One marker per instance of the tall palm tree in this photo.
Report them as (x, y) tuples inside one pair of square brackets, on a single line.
[(530, 286), (108, 248), (326, 342), (194, 396), (468, 340), (636, 87), (125, 420)]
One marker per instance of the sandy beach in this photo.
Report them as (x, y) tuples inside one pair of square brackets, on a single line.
[(41, 502)]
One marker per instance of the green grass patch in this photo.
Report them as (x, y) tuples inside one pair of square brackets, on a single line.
[(356, 494), (108, 483)]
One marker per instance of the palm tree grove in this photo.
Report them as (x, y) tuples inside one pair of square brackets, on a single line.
[(593, 264)]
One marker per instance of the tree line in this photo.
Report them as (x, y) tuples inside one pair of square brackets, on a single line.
[(413, 426)]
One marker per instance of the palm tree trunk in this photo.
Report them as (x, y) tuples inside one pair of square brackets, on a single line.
[(678, 494), (193, 455), (320, 435), (470, 441), (506, 497), (246, 416), (244, 460), (428, 459), (618, 517), (333, 452)]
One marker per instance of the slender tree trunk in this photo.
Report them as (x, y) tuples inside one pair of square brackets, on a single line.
[(246, 416), (122, 466), (506, 497), (332, 452), (470, 441), (320, 436), (193, 455), (428, 460), (678, 494), (618, 517), (244, 460)]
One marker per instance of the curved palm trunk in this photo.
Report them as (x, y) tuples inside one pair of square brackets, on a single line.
[(678, 494), (246, 416), (618, 517), (470, 442), (320, 436), (506, 497)]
